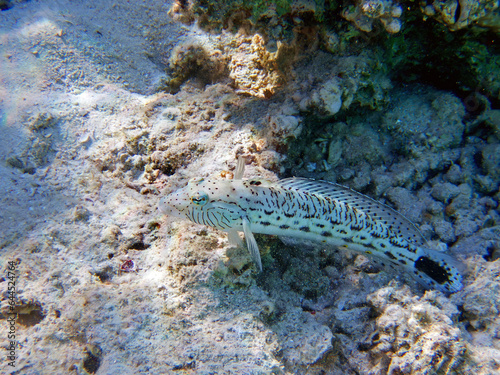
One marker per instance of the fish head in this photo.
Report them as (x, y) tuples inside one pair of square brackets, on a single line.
[(208, 202)]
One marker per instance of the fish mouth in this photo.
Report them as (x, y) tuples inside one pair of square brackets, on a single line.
[(166, 208)]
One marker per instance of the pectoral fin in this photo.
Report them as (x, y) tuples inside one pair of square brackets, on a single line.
[(252, 244)]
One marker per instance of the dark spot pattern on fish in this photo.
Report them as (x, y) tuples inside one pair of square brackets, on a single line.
[(389, 254)]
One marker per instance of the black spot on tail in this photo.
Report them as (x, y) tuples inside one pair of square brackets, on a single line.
[(432, 269)]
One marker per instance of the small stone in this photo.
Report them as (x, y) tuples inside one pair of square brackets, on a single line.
[(285, 126), (454, 174), (80, 213), (486, 184), (171, 113), (110, 234), (465, 226), (334, 152), (41, 121), (311, 167), (15, 162), (268, 309), (491, 160), (445, 231), (346, 174), (435, 208), (330, 96)]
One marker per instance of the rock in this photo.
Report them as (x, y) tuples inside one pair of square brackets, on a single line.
[(253, 68), (486, 184), (110, 234), (330, 96), (426, 120), (458, 14), (15, 162), (478, 243), (81, 213), (444, 191), (454, 175), (285, 126), (334, 152), (416, 333), (407, 204), (444, 230), (491, 161), (304, 341), (367, 11)]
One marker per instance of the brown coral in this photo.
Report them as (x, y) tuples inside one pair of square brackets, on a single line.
[(254, 69), (190, 61)]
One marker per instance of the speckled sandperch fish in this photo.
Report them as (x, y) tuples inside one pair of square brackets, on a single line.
[(313, 210)]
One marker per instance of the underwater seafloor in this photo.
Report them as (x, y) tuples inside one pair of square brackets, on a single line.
[(107, 106)]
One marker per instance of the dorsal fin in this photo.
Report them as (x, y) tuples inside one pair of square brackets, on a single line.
[(396, 222), (240, 168)]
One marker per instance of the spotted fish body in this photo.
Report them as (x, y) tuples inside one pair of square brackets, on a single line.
[(317, 211)]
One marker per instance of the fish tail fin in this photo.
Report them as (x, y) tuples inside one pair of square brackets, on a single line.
[(438, 270)]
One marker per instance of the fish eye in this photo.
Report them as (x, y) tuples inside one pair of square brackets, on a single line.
[(199, 198)]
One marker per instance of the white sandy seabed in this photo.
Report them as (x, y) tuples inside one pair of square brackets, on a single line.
[(78, 119)]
